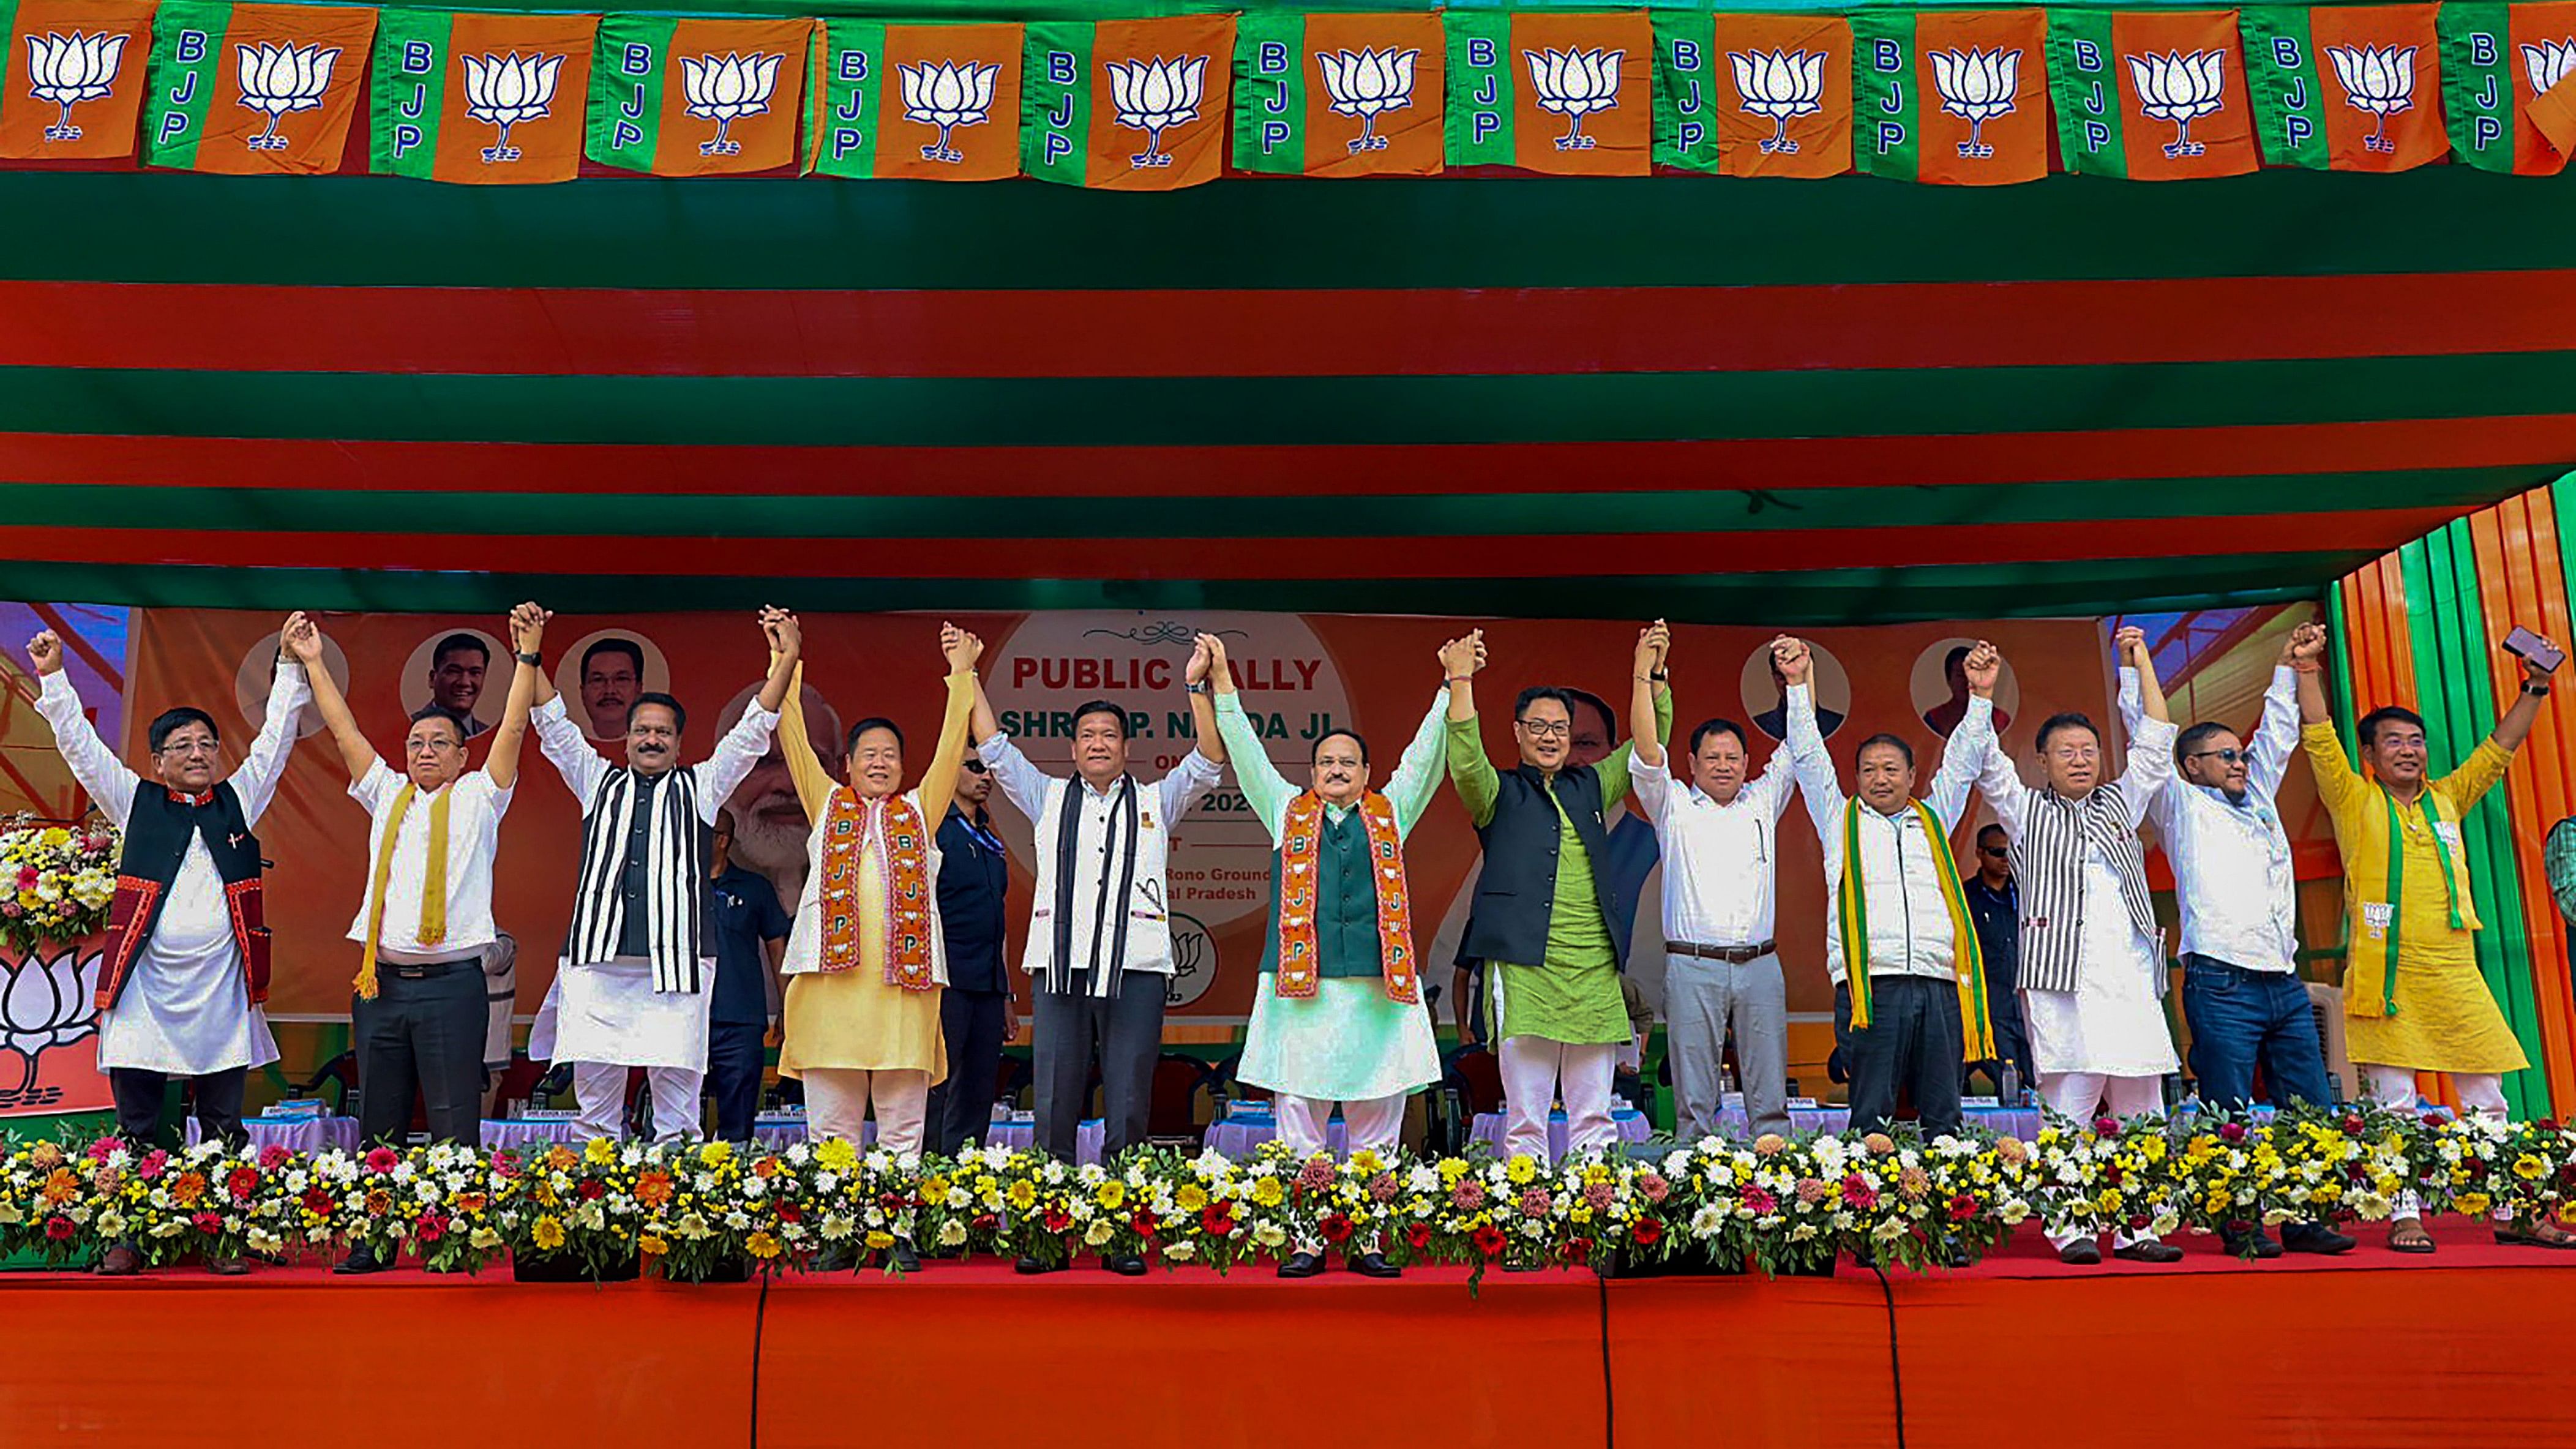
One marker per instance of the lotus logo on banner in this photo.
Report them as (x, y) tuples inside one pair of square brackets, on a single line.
[(1368, 85), (2548, 63), (503, 90), (276, 79), (947, 94), (2179, 88), (67, 70), (2378, 81), (724, 91), (44, 1005), (1781, 85), (1574, 84), (1154, 95), (1976, 86)]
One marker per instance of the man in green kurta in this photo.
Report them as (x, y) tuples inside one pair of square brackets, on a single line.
[(1545, 900)]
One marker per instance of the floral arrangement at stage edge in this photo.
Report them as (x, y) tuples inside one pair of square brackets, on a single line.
[(56, 882)]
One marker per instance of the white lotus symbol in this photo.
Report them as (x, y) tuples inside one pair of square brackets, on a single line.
[(2379, 79), (948, 95), (1977, 86), (2178, 88), (2548, 62), (282, 78), (503, 90), (68, 70), (1368, 85), (1781, 84), (43, 1005), (1574, 84), (1154, 95), (724, 91)]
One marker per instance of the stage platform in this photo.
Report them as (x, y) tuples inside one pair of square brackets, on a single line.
[(2472, 1345)]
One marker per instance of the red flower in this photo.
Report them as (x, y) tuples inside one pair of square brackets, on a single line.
[(1419, 1235), (1646, 1231), (151, 1165), (317, 1201), (383, 1159), (1334, 1227), (273, 1157), (1760, 1200), (592, 1190), (1056, 1221), (2231, 1132), (1488, 1240), (986, 1222), (242, 1182), (1858, 1193), (2111, 1173), (99, 1150), (789, 1212), (1218, 1220), (2137, 1222), (2352, 1124), (1143, 1224), (206, 1223), (60, 1229), (2106, 1126), (430, 1228), (1575, 1250), (1963, 1207)]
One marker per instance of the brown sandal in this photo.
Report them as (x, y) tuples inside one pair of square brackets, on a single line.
[(2407, 1235), (2542, 1235)]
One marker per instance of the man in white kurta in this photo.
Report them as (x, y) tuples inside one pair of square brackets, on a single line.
[(632, 988)]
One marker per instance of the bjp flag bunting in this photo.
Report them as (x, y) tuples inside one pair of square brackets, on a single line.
[(73, 75), (697, 97), (1784, 95), (1339, 95), (932, 102), (1953, 97), (1127, 105), (479, 99), (2354, 88), (2505, 71), (2150, 96), (254, 89), (1564, 94)]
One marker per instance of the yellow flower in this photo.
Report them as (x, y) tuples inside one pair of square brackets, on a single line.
[(550, 1234), (880, 1239), (600, 1152), (934, 1189), (835, 1155), (1023, 1195), (2473, 1204), (653, 1246), (716, 1154), (762, 1245), (1110, 1194), (1521, 1171), (1268, 1193), (2530, 1168), (1191, 1197)]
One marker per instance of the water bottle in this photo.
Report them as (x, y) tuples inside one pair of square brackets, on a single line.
[(2010, 1086), (1725, 1082)]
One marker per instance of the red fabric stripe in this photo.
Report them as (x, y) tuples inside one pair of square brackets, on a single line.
[(1276, 333), (1319, 470), (1514, 556)]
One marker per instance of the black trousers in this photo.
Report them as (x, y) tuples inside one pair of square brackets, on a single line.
[(962, 1106), (1913, 1042), (1127, 1030), (736, 1053), (422, 1035), (140, 1093)]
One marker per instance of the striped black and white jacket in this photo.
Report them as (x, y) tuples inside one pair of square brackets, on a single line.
[(2051, 836)]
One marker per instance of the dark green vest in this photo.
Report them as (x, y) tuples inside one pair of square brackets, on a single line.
[(1345, 902)]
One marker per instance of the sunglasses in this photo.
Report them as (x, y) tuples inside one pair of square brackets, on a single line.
[(977, 767), (2230, 756), (1997, 851)]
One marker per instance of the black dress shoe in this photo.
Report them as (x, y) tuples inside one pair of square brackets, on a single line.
[(233, 1267), (2082, 1253), (2149, 1252), (2316, 1238), (838, 1258), (360, 1261), (1034, 1265), (2260, 1242), (1374, 1265), (1301, 1265), (1125, 1265)]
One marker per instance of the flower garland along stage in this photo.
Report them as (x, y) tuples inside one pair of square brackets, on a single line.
[(695, 1210), (1956, 96), (56, 882)]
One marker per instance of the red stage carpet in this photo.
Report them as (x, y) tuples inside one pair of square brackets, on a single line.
[(2470, 1346)]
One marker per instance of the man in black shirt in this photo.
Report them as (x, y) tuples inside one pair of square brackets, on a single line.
[(1994, 905), (747, 931), (975, 1013)]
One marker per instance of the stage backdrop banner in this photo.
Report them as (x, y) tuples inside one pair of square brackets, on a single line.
[(1299, 674)]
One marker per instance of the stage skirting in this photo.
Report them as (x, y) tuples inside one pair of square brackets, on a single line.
[(2375, 1350)]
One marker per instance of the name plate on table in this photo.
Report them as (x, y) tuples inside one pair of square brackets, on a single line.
[(294, 1112), (548, 1114), (1802, 1102), (1980, 1101)]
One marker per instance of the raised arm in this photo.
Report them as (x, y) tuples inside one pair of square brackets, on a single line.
[(1211, 742), (1478, 786), (796, 746), (303, 639), (1996, 776), (2150, 767), (1971, 748), (110, 784), (2515, 726), (2338, 784), (960, 650), (527, 626), (743, 746), (1808, 761), (2268, 757), (1264, 788), (1649, 661), (1419, 770), (264, 763), (1644, 677)]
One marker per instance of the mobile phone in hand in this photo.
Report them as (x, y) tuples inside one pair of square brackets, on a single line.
[(2527, 645)]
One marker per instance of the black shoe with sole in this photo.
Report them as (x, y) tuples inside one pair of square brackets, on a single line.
[(2148, 1252), (2316, 1238), (1374, 1265), (1301, 1265), (359, 1262), (2260, 1241), (1035, 1266), (1125, 1265), (2082, 1253)]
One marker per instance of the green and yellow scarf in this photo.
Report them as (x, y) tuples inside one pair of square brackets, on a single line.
[(1851, 911), (2464, 912)]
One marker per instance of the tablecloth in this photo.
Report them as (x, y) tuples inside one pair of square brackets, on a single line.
[(1630, 1124), (295, 1134)]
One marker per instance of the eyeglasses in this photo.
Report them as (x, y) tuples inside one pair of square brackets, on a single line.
[(1997, 851), (2227, 756), (977, 767), (1547, 729)]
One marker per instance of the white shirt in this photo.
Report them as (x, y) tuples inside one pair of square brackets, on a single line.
[(1910, 930), (185, 1010), (2231, 859), (1026, 787), (474, 809), (1720, 862), (582, 766)]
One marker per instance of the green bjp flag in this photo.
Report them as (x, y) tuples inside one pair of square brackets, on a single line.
[(1339, 95), (481, 99)]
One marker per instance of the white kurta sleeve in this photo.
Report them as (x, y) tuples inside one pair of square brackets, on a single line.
[(740, 749), (1023, 784), (109, 783), (264, 766), (1192, 778), (560, 741)]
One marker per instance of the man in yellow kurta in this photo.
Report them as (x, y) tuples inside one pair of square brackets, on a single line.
[(866, 960), (2414, 1000)]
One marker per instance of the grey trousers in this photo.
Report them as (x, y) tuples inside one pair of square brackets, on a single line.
[(1702, 999), (1127, 1030), (423, 1033)]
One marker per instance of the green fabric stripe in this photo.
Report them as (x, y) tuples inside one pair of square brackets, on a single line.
[(2477, 82), (1270, 93), (1887, 135), (1527, 231), (187, 47), (2339, 681), (1055, 115), (849, 83), (626, 83), (1304, 410), (748, 514), (2289, 102), (406, 90), (2084, 91), (1686, 91), (1479, 116)]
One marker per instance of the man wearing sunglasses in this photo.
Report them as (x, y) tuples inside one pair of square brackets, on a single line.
[(1994, 908), (975, 1013), (2241, 992)]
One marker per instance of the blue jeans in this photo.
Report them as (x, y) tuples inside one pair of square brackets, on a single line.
[(2242, 1019)]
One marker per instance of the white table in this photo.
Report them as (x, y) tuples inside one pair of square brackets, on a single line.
[(307, 1135), (776, 1134), (1630, 1124), (1241, 1137)]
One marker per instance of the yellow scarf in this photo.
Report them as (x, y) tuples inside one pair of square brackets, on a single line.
[(433, 891), (1851, 911)]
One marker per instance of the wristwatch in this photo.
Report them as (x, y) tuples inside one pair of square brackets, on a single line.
[(2536, 689), (537, 658), (1202, 687)]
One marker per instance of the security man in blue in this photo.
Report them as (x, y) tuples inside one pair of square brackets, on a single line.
[(975, 1013), (747, 930)]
